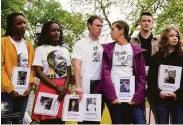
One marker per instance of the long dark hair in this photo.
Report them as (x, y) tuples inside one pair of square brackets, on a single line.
[(123, 25), (44, 38), (163, 44), (10, 20)]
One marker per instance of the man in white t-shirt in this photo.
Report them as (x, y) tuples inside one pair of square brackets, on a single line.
[(87, 59)]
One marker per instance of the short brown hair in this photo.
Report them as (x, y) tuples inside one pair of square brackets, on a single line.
[(145, 14), (92, 18)]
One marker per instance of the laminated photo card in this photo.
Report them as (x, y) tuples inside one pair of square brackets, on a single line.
[(169, 77), (47, 104), (125, 88), (72, 109), (20, 79), (92, 107)]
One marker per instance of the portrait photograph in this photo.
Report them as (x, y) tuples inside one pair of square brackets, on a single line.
[(170, 76), (91, 104), (46, 102), (73, 105), (57, 62), (124, 85), (21, 79)]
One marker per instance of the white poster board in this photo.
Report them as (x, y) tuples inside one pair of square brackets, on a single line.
[(47, 104), (169, 77), (92, 107), (125, 88), (146, 69), (20, 79), (72, 109)]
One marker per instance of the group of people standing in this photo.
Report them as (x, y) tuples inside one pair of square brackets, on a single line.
[(95, 67)]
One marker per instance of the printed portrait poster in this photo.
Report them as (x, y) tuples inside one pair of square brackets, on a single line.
[(20, 79), (23, 60), (72, 109), (57, 64), (125, 88), (169, 77), (92, 107), (47, 104)]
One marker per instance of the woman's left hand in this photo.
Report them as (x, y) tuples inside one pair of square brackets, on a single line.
[(28, 90)]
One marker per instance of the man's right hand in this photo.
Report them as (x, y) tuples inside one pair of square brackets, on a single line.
[(13, 94), (79, 91)]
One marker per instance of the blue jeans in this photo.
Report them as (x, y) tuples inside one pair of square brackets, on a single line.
[(138, 115), (126, 114), (14, 106), (165, 110)]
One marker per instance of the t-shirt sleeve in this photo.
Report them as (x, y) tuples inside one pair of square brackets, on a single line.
[(68, 58), (77, 52), (38, 57)]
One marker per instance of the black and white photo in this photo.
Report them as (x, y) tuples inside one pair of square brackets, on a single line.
[(170, 76), (58, 63), (91, 104), (92, 107), (46, 102), (21, 79)]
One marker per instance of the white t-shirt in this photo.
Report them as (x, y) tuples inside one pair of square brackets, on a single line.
[(22, 52), (90, 53), (53, 59), (122, 63)]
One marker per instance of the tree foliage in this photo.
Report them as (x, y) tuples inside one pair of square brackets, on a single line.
[(172, 14), (40, 11), (9, 6), (165, 12)]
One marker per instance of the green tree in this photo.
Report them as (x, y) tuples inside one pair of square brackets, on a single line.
[(7, 7), (73, 24), (40, 11), (172, 14), (165, 12)]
